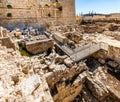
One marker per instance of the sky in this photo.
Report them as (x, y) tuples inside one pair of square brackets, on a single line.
[(98, 6)]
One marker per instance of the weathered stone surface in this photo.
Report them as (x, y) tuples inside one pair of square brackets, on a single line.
[(3, 32), (52, 67), (101, 61), (17, 33), (6, 41), (98, 89), (16, 85), (113, 53), (62, 81), (60, 59), (67, 93), (59, 37), (35, 47), (27, 17), (29, 85), (113, 64), (2, 90), (41, 77), (74, 37), (100, 86), (68, 62)]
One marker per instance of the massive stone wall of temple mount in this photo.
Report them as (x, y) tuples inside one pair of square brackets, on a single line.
[(68, 11), (34, 11)]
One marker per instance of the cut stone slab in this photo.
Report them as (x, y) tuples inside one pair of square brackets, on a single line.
[(28, 85)]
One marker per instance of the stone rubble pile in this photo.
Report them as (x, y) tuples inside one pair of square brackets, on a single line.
[(38, 80), (55, 77), (18, 81), (100, 86), (33, 40), (62, 76)]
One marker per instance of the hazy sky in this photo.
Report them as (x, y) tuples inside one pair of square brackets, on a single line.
[(98, 6)]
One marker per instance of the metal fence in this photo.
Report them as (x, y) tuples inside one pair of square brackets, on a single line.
[(81, 53)]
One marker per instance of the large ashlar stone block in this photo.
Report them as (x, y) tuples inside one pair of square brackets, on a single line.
[(35, 47), (28, 85), (59, 37)]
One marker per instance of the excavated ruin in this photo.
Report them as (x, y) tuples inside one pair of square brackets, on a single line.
[(57, 77)]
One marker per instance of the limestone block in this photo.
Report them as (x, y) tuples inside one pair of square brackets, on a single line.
[(97, 88), (5, 32), (18, 34), (8, 42), (52, 67), (75, 37), (35, 47), (59, 37), (60, 59), (60, 68), (1, 28), (112, 64), (102, 61), (68, 62), (28, 85), (2, 90)]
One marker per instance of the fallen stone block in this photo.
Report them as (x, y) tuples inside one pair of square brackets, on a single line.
[(28, 85), (68, 62)]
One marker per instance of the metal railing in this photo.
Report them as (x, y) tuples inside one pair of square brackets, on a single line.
[(82, 52)]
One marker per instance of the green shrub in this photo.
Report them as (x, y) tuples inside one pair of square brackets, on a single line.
[(24, 52), (39, 58)]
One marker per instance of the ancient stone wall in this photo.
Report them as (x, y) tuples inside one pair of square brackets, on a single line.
[(69, 11), (32, 10)]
